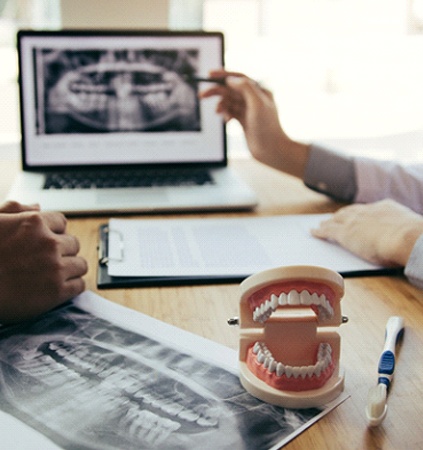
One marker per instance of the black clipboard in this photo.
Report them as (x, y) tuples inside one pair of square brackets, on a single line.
[(105, 281)]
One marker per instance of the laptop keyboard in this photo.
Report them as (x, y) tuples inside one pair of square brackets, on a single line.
[(127, 178)]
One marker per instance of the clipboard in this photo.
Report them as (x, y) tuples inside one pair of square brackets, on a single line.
[(105, 281)]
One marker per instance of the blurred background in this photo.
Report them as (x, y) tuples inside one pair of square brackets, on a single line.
[(345, 72)]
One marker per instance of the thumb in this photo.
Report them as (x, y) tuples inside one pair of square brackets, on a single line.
[(11, 207)]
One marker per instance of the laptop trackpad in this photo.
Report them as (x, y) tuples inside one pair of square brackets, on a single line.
[(131, 196)]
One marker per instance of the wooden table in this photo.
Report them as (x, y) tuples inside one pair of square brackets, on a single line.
[(368, 303)]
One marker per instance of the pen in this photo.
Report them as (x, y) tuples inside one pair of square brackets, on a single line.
[(205, 79), (377, 400)]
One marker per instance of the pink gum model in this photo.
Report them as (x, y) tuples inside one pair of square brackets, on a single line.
[(289, 347)]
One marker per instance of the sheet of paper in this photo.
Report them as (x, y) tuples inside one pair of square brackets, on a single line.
[(96, 375), (240, 246)]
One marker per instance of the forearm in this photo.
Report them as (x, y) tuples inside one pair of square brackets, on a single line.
[(288, 156)]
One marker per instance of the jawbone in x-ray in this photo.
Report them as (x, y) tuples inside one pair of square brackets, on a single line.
[(96, 91), (86, 383)]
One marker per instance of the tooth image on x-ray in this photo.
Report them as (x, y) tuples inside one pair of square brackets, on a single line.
[(86, 383), (103, 91)]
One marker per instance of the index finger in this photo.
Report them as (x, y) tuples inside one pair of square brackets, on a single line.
[(222, 73), (214, 90)]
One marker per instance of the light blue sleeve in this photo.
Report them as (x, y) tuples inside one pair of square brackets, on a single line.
[(414, 268)]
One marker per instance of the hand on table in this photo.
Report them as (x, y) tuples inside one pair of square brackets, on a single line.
[(383, 232), (39, 266)]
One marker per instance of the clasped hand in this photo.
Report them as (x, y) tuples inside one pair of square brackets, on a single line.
[(39, 266)]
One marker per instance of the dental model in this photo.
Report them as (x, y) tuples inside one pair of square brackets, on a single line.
[(289, 350)]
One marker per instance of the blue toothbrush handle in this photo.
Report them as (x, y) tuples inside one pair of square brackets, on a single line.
[(394, 331), (386, 368)]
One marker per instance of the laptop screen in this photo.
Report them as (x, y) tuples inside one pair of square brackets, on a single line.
[(118, 98)]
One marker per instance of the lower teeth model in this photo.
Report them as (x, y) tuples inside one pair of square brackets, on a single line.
[(289, 351)]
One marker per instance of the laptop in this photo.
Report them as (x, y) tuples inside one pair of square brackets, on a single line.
[(111, 123)]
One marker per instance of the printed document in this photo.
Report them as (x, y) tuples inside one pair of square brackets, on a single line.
[(232, 247)]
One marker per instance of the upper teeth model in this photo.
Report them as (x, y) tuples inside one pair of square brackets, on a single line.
[(289, 355)]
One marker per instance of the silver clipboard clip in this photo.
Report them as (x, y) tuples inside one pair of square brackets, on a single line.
[(103, 247)]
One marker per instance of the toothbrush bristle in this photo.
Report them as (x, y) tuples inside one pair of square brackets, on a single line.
[(377, 401)]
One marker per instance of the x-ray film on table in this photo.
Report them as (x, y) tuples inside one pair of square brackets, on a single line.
[(95, 375)]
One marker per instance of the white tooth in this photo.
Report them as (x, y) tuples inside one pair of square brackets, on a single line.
[(260, 357), (53, 346), (296, 371), (267, 305), (305, 298), (323, 347), (72, 375), (272, 365), (169, 425), (139, 394), (280, 369), (256, 348), (189, 416), (274, 300), (293, 298), (319, 368), (303, 372), (172, 408), (157, 403), (324, 350), (262, 309), (310, 370), (148, 398), (314, 299), (288, 371), (207, 422), (266, 362), (283, 299)]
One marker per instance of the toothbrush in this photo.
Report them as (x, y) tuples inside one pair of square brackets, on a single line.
[(377, 400)]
